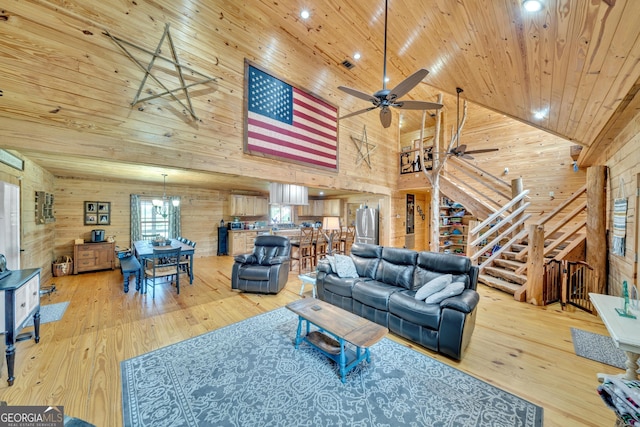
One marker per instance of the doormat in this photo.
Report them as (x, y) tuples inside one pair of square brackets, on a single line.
[(50, 313), (597, 347)]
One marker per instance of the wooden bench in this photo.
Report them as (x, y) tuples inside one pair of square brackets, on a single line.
[(130, 265)]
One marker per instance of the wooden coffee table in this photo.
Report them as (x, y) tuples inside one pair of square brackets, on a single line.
[(335, 329)]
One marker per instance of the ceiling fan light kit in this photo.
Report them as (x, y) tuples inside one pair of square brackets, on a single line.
[(386, 98)]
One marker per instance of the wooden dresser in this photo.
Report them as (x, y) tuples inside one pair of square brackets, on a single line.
[(19, 300), (93, 256)]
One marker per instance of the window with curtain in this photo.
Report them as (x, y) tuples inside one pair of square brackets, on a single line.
[(146, 224)]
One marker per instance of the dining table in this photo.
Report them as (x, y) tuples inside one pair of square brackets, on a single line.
[(144, 249)]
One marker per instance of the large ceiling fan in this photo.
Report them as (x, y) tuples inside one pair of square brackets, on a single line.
[(461, 150), (386, 98)]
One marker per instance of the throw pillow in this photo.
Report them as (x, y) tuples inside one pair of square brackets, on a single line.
[(433, 286), (345, 266), (451, 290), (332, 263)]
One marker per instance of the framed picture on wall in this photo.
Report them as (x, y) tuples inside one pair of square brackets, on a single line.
[(90, 219), (97, 213)]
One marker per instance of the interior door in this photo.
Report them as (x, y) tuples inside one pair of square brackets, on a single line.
[(10, 224)]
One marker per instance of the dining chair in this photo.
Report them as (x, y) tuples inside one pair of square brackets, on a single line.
[(185, 259), (302, 249), (346, 239), (320, 245), (162, 264)]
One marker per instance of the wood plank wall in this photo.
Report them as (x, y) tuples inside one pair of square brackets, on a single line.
[(624, 170), (35, 239)]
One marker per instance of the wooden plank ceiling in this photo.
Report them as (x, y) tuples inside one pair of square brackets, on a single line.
[(566, 69)]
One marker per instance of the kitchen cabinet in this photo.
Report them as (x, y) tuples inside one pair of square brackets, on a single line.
[(93, 256), (19, 300), (331, 207), (325, 207), (241, 205), (241, 241), (261, 206)]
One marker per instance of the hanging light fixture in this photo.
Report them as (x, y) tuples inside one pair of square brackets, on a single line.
[(288, 194), (161, 207)]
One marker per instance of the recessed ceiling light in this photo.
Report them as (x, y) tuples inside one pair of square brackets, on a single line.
[(532, 5), (356, 55), (305, 14)]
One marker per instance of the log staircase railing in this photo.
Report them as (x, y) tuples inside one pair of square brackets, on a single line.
[(482, 240)]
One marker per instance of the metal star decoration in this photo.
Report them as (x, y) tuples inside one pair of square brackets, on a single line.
[(180, 68), (364, 148)]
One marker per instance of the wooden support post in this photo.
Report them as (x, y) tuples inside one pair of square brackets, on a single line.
[(516, 189), (535, 267), (596, 228)]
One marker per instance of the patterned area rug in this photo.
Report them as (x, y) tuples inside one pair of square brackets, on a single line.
[(250, 374), (50, 313), (597, 347)]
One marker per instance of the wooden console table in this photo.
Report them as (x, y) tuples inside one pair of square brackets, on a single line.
[(19, 299), (624, 331), (94, 256)]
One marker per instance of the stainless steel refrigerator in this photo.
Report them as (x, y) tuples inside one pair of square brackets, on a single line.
[(367, 226)]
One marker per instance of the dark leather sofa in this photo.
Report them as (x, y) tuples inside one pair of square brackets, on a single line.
[(385, 292), (266, 269)]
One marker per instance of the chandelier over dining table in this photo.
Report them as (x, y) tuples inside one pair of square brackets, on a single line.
[(161, 207)]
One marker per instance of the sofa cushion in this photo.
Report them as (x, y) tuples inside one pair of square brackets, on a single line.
[(433, 286), (334, 284), (404, 305), (366, 258), (374, 293), (396, 267), (451, 290), (345, 267), (431, 265)]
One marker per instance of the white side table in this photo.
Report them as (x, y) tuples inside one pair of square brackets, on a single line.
[(624, 331), (308, 278)]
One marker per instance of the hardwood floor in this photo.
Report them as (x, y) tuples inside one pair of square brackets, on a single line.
[(520, 348)]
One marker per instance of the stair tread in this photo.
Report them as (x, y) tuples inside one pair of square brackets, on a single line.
[(506, 275), (498, 283), (508, 263)]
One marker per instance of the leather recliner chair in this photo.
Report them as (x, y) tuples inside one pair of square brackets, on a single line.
[(266, 269)]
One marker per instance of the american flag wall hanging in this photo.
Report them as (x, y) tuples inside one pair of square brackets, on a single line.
[(286, 123)]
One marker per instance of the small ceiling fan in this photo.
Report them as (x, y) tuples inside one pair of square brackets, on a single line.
[(386, 98), (461, 150)]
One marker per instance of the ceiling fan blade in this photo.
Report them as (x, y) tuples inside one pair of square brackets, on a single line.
[(466, 156), (355, 113), (417, 105), (484, 150), (407, 84), (385, 117), (358, 94)]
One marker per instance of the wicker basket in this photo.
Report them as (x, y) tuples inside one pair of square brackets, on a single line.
[(62, 266)]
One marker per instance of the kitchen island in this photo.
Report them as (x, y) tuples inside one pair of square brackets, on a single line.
[(241, 241)]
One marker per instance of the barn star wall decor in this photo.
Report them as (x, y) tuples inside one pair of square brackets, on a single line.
[(365, 148), (182, 71)]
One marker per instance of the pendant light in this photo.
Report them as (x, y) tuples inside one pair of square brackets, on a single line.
[(161, 207)]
